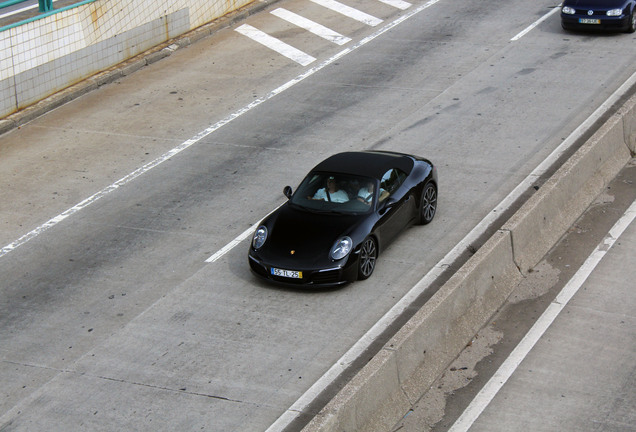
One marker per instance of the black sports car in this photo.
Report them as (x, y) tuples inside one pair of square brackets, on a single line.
[(343, 214), (618, 15)]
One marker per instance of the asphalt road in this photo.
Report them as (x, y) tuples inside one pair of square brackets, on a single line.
[(110, 316)]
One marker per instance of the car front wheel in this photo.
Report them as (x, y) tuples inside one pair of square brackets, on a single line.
[(368, 256), (632, 22), (428, 204)]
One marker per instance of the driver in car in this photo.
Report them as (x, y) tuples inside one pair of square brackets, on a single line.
[(365, 194), (331, 193)]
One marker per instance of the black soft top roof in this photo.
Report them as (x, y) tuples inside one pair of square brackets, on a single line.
[(366, 163)]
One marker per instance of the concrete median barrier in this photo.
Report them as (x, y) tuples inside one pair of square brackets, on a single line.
[(547, 215), (628, 113), (405, 368), (394, 379)]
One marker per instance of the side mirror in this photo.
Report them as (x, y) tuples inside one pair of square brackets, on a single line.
[(287, 190), (387, 205), (390, 202)]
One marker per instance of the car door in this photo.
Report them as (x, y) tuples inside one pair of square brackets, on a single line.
[(396, 206)]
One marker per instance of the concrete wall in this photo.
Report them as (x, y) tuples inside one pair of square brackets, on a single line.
[(395, 379), (45, 56)]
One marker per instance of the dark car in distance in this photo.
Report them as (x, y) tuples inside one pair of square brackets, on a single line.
[(613, 15), (342, 215)]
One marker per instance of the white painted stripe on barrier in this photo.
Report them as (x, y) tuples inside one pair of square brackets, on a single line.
[(505, 371), (399, 4), (311, 26), (350, 12), (275, 44)]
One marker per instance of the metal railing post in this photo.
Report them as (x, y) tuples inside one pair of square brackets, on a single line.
[(45, 5)]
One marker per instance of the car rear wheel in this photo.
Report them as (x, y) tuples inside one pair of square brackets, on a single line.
[(368, 256), (428, 204)]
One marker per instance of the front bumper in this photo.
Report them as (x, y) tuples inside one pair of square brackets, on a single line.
[(333, 276), (580, 22)]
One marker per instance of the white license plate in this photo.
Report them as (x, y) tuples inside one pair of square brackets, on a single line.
[(287, 273), (589, 21)]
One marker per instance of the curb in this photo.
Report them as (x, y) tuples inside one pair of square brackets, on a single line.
[(391, 383)]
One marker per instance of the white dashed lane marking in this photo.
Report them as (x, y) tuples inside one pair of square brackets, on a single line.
[(275, 44), (313, 27), (350, 12), (399, 4), (318, 29)]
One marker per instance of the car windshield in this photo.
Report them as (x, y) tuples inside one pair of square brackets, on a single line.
[(336, 193)]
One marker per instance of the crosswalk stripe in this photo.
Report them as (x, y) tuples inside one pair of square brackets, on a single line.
[(400, 4), (275, 44), (349, 12), (313, 27)]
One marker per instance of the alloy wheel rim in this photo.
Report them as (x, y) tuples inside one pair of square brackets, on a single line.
[(430, 203), (367, 257)]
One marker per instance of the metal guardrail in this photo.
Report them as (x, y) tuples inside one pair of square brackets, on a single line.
[(42, 13), (44, 5)]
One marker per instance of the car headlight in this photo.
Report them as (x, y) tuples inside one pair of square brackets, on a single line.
[(615, 12), (341, 249), (260, 235), (568, 10)]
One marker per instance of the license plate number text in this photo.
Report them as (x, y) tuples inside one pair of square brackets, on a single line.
[(287, 273)]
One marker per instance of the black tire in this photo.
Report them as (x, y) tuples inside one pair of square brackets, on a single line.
[(632, 22), (428, 204), (367, 259)]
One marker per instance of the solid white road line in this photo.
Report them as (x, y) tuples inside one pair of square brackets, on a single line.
[(24, 9), (313, 27), (275, 44), (231, 245), (536, 23), (350, 12), (17, 11), (492, 387)]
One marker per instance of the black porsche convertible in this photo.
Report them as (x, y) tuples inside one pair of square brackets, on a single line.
[(344, 213)]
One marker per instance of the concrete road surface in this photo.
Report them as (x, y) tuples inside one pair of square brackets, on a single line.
[(111, 317)]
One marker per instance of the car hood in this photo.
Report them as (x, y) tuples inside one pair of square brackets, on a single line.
[(594, 4), (299, 237)]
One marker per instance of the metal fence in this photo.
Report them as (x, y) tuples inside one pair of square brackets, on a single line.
[(43, 5), (14, 13)]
